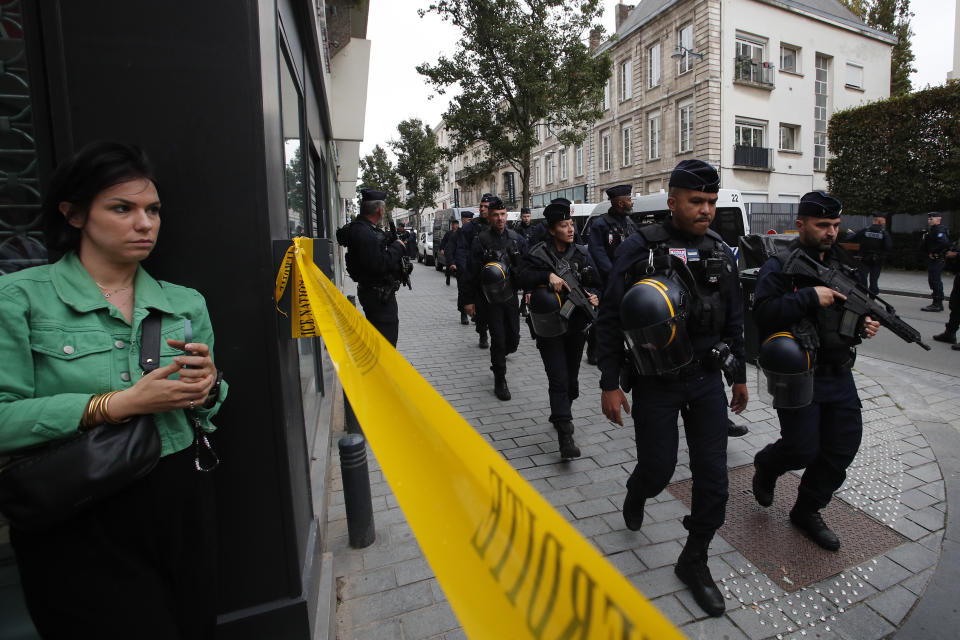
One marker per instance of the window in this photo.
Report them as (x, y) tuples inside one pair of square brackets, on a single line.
[(653, 66), (626, 155), (605, 151), (685, 39), (578, 159), (751, 65), (548, 161), (789, 58), (653, 136), (820, 113), (563, 163), (854, 75), (685, 126), (606, 95), (536, 173), (626, 80), (748, 134), (789, 137)]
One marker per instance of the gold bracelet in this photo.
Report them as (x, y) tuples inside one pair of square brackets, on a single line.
[(106, 410), (85, 421), (96, 414)]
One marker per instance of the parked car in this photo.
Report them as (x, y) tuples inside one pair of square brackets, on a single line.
[(425, 248)]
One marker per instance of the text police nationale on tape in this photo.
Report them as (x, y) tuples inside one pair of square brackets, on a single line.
[(510, 565)]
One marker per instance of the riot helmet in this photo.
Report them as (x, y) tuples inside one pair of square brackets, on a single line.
[(653, 316), (495, 282), (787, 370), (545, 315)]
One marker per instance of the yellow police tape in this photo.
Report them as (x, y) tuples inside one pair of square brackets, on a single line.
[(510, 565)]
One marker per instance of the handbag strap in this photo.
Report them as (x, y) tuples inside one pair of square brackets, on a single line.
[(150, 342)]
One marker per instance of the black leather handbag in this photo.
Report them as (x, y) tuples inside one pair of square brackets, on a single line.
[(47, 484)]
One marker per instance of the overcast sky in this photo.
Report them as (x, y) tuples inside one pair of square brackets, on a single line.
[(401, 40)]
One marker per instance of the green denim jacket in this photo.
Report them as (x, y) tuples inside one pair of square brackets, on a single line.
[(61, 342)]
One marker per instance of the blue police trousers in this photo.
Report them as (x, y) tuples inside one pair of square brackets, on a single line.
[(822, 438), (561, 357), (701, 402)]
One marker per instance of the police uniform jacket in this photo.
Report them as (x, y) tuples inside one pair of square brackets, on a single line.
[(782, 300), (449, 247), (527, 231), (874, 242), (636, 248), (371, 262), (936, 240), (468, 231), (606, 234), (490, 240), (534, 271)]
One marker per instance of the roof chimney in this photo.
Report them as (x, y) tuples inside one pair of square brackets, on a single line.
[(623, 10), (596, 37)]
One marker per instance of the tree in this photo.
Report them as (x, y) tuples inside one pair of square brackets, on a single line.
[(418, 163), (900, 155), (893, 17), (520, 64), (377, 172)]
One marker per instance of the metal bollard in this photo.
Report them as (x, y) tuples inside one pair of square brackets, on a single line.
[(356, 490)]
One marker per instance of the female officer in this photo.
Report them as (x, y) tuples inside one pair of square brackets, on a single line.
[(550, 270), (138, 564)]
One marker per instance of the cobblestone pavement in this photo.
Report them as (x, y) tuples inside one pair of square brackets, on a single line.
[(388, 590)]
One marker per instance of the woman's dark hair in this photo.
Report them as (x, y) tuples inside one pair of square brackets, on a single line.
[(98, 166)]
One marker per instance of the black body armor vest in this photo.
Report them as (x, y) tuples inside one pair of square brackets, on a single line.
[(706, 270)]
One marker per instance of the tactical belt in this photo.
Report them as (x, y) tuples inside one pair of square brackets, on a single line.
[(834, 369)]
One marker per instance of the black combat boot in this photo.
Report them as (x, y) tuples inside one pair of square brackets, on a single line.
[(735, 430), (950, 337), (811, 523), (633, 510), (936, 305), (692, 569), (500, 388), (568, 448), (763, 485), (463, 318), (483, 344)]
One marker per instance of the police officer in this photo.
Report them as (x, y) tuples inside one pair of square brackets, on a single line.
[(560, 334), (465, 240), (609, 230), (449, 248), (666, 267), (374, 264), (490, 289), (525, 228), (875, 242), (949, 334), (823, 436), (934, 245)]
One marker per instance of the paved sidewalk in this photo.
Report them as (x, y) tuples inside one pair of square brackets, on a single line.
[(388, 589)]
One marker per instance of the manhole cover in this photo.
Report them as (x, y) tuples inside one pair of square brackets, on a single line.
[(771, 543)]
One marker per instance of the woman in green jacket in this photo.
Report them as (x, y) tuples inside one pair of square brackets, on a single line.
[(140, 564)]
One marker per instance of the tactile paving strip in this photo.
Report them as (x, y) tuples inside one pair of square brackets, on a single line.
[(766, 538)]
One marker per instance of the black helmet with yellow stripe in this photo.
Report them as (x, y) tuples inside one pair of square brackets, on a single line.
[(653, 316), (495, 282), (788, 370), (545, 304)]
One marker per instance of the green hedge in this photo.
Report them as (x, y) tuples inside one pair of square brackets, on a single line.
[(900, 155)]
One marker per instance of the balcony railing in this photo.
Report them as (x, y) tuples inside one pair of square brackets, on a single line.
[(755, 157), (749, 71)]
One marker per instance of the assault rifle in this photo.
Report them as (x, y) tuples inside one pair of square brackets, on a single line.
[(577, 296), (859, 302)]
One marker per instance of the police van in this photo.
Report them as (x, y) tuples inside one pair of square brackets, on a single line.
[(730, 222), (441, 225)]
